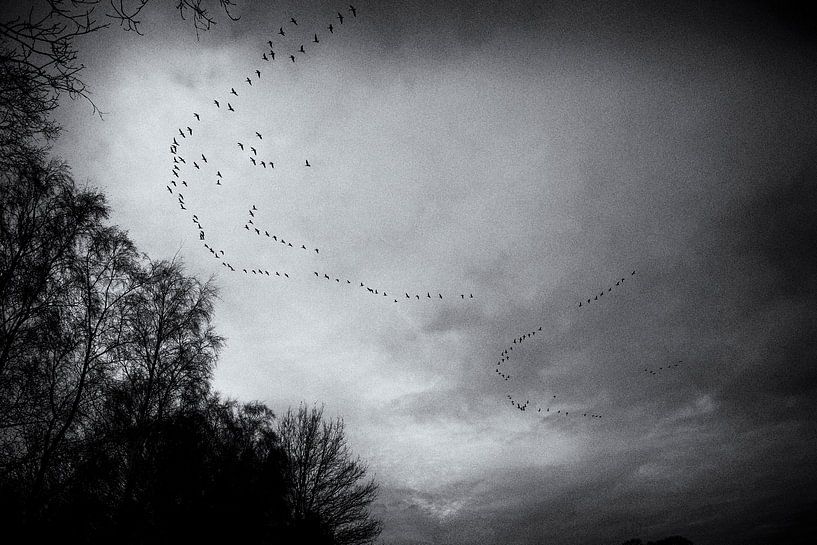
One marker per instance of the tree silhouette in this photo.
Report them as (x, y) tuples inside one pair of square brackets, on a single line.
[(327, 490), (39, 59)]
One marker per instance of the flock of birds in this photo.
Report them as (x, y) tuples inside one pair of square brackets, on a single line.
[(254, 153)]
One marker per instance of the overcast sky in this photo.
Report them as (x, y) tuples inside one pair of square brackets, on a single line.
[(531, 154)]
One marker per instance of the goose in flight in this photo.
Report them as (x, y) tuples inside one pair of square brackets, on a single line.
[(307, 163), (331, 29), (281, 31), (189, 130), (203, 158), (180, 132), (240, 145), (270, 43), (294, 22), (353, 10), (217, 104), (253, 151), (264, 56), (253, 160), (301, 50), (230, 107), (316, 39), (258, 135), (249, 81), (196, 116), (272, 53), (258, 72), (232, 90), (292, 57), (340, 17)]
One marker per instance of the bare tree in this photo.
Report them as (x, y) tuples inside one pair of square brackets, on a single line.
[(39, 59), (327, 486)]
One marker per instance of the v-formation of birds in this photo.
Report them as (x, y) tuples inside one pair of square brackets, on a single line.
[(250, 149)]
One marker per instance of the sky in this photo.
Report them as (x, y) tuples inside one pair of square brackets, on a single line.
[(532, 154)]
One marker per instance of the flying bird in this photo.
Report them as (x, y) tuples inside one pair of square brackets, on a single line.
[(307, 163), (249, 81), (240, 145), (270, 43), (316, 39), (196, 116), (292, 57), (203, 158), (353, 10), (230, 107), (264, 56), (258, 72), (217, 105), (232, 90), (340, 17), (258, 135), (281, 31), (331, 29), (302, 49), (253, 151), (294, 22)]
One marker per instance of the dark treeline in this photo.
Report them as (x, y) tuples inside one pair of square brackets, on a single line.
[(109, 428)]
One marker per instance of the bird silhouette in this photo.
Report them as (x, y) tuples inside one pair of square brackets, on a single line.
[(230, 107), (253, 160), (249, 81), (258, 135), (281, 31), (294, 22), (307, 163), (216, 102), (270, 43), (353, 10), (316, 39), (240, 145), (264, 56), (232, 90), (253, 151), (196, 116), (302, 49), (258, 73), (272, 53), (331, 29), (340, 18), (203, 158), (292, 57)]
